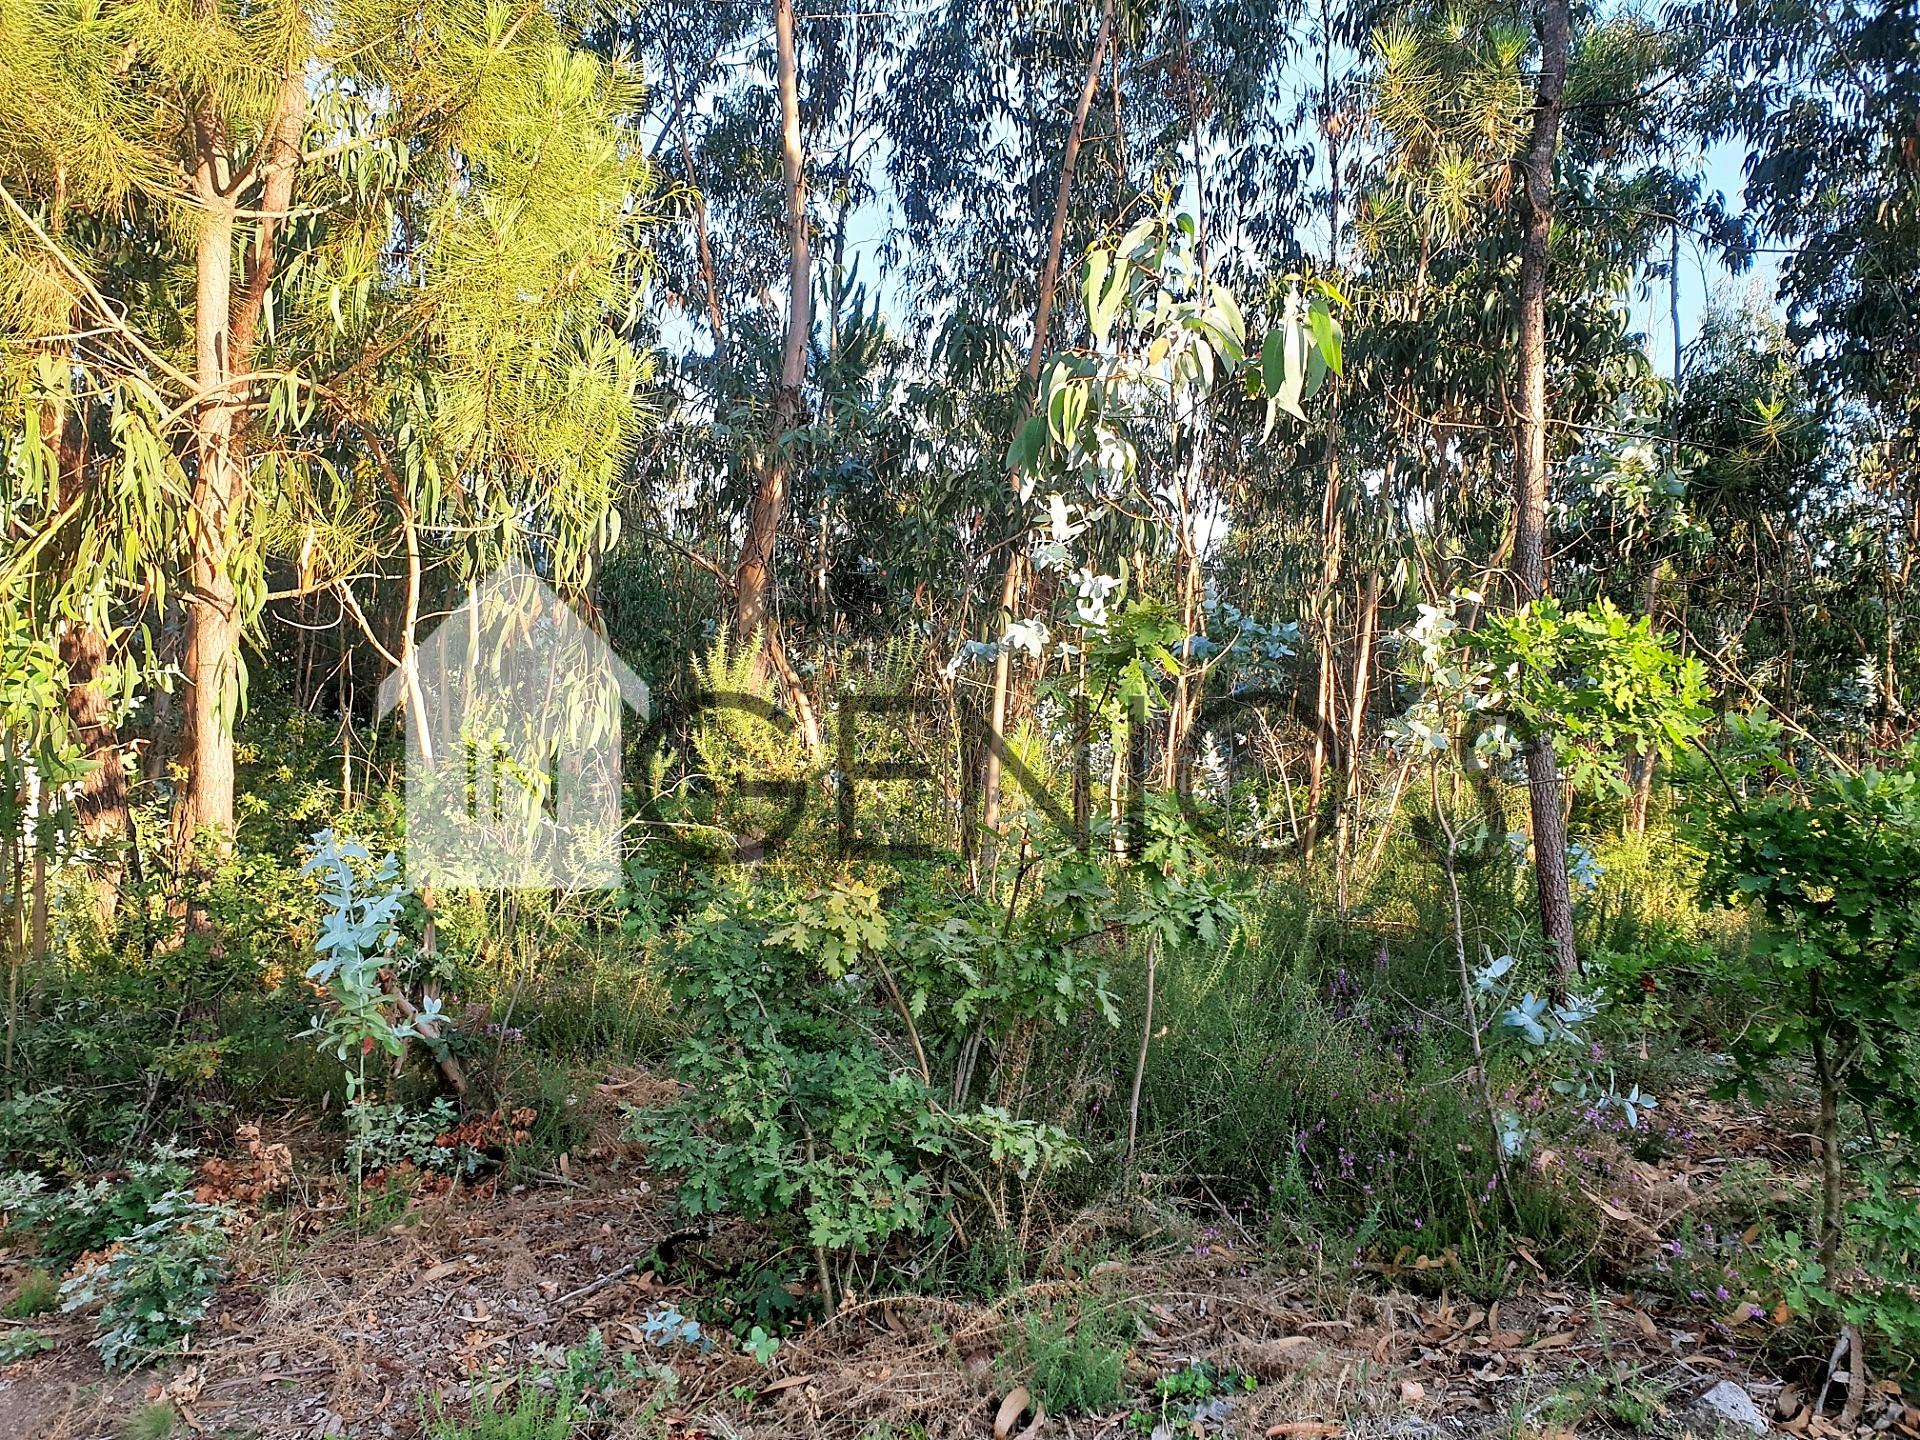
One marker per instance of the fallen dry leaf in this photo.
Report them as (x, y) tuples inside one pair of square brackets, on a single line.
[(1303, 1430), (435, 1273), (1412, 1390), (1011, 1409)]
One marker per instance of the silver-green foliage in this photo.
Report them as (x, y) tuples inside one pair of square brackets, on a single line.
[(156, 1283)]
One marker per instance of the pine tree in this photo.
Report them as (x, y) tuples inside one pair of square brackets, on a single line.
[(308, 280)]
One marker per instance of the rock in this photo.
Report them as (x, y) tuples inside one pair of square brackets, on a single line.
[(1731, 1403)]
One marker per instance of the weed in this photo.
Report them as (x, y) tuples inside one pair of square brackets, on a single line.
[(39, 1292), (1624, 1400), (526, 1412), (1071, 1356), (155, 1284), (153, 1422), (92, 1214), (19, 1343), (383, 1136), (1186, 1399)]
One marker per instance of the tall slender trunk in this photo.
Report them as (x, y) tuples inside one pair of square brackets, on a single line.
[(1357, 693), (1833, 1191), (1326, 706), (1042, 319), (753, 577), (1332, 512), (226, 321), (1530, 470), (212, 656), (1641, 768), (703, 245)]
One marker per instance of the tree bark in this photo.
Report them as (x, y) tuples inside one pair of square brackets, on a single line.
[(753, 578), (1348, 822), (100, 799), (1042, 320), (1536, 199)]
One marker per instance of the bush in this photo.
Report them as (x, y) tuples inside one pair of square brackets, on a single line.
[(1332, 1118), (382, 1136), (808, 1077), (155, 1283), (1871, 1285), (90, 1215), (789, 1103)]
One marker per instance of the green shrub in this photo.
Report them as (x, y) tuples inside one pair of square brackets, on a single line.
[(793, 1102), (1331, 1117), (382, 1136), (156, 1284), (1871, 1285), (90, 1215), (22, 1343)]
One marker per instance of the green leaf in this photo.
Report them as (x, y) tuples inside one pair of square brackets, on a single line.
[(1098, 264), (1326, 335), (1027, 445)]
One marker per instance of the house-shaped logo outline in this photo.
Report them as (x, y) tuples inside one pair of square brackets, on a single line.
[(448, 786)]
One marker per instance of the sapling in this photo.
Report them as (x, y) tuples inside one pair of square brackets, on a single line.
[(363, 957)]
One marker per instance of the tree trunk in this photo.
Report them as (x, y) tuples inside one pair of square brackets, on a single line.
[(226, 321), (1530, 471), (1832, 1183), (1042, 320), (211, 662), (1348, 823), (753, 578), (1325, 604), (100, 799)]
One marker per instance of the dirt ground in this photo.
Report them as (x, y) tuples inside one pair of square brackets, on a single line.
[(321, 1332)]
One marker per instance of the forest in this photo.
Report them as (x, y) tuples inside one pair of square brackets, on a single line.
[(893, 719)]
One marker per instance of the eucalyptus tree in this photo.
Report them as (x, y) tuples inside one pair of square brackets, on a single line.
[(1016, 136), (1528, 173), (1826, 97), (764, 422), (321, 284)]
